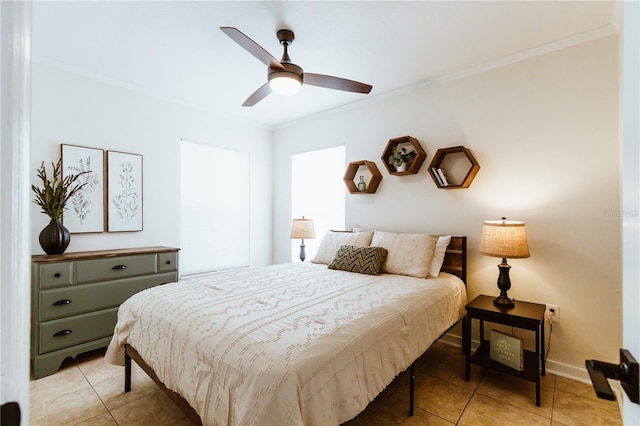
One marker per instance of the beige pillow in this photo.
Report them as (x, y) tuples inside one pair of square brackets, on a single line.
[(438, 257), (408, 254), (363, 260), (332, 241)]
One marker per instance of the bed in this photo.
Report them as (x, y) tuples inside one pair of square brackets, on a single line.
[(287, 344)]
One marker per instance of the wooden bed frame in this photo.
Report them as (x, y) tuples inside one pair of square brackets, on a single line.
[(455, 262)]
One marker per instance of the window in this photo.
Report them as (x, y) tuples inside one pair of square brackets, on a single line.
[(317, 192), (214, 208)]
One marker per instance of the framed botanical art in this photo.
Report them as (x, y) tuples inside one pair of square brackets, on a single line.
[(85, 210), (124, 192)]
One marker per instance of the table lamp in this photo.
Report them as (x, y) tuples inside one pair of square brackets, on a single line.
[(503, 238), (302, 228)]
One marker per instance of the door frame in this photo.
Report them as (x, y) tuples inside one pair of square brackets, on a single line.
[(15, 249)]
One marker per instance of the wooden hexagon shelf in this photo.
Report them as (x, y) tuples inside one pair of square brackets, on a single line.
[(457, 157), (352, 171), (421, 155)]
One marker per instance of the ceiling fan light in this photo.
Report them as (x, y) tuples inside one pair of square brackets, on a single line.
[(285, 83)]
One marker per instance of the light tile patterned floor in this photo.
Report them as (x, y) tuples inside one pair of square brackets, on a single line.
[(88, 391)]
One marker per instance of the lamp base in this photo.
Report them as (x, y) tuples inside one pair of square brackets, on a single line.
[(303, 254), (504, 284), (504, 302)]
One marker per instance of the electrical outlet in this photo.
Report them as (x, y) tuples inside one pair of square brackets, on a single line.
[(555, 311)]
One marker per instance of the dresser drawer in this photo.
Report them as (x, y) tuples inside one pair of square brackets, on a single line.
[(64, 302), (110, 268), (55, 274), (71, 331), (168, 261)]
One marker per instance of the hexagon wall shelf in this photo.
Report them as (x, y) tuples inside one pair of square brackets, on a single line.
[(352, 171), (421, 155), (440, 157)]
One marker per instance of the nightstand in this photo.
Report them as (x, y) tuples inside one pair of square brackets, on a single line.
[(524, 315)]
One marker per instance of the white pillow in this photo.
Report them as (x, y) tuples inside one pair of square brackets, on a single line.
[(332, 241), (438, 256), (408, 254)]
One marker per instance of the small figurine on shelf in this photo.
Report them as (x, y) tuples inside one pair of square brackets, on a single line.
[(362, 185), (401, 158)]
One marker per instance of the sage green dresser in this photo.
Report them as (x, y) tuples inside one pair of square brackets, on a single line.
[(75, 298)]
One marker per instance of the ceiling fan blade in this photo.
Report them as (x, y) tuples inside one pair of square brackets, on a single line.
[(336, 83), (252, 47), (258, 95)]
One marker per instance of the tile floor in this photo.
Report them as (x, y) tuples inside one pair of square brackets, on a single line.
[(88, 391)]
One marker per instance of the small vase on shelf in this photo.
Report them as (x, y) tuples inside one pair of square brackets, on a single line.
[(402, 167), (362, 185)]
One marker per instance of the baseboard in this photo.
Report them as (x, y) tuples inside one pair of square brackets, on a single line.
[(452, 339)]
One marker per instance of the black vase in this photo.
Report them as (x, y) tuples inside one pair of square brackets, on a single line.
[(54, 238)]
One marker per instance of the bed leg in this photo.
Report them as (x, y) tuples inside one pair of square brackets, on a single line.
[(412, 380), (127, 371)]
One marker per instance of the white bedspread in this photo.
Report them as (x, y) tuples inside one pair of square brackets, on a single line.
[(288, 344)]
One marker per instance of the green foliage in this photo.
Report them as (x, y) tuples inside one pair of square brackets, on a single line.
[(401, 155), (56, 191)]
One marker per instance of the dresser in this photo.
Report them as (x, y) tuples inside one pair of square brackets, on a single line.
[(75, 298)]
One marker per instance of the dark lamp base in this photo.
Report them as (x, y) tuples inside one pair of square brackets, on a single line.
[(504, 284), (504, 302)]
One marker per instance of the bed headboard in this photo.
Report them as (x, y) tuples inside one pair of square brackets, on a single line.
[(455, 259)]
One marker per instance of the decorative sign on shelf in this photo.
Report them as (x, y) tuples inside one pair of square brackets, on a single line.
[(507, 350)]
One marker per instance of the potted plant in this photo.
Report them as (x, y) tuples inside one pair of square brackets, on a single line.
[(401, 157), (52, 199)]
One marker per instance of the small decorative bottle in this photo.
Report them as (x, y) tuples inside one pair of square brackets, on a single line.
[(362, 186)]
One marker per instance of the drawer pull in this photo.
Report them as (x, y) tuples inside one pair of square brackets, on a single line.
[(62, 302), (62, 333), (57, 275), (168, 262), (119, 267)]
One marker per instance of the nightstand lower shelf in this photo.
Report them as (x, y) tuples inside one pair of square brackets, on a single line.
[(482, 357), (524, 315)]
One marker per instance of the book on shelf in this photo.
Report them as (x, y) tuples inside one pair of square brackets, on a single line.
[(507, 350), (434, 170), (443, 176)]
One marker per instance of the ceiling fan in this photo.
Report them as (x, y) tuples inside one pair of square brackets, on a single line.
[(284, 77)]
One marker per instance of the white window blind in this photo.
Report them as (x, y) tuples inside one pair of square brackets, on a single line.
[(214, 208)]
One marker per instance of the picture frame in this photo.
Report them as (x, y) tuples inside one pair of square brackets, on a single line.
[(85, 210), (124, 192), (507, 350)]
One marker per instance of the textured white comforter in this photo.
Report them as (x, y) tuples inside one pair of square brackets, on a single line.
[(288, 344)]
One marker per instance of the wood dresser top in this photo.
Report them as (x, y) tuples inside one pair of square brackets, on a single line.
[(43, 258)]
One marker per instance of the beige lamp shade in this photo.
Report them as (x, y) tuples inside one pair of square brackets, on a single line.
[(504, 238), (302, 229)]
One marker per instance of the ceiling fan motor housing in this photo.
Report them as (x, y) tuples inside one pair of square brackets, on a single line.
[(285, 82), (290, 71)]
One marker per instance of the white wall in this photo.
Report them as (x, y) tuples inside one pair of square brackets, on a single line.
[(74, 109), (545, 132)]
